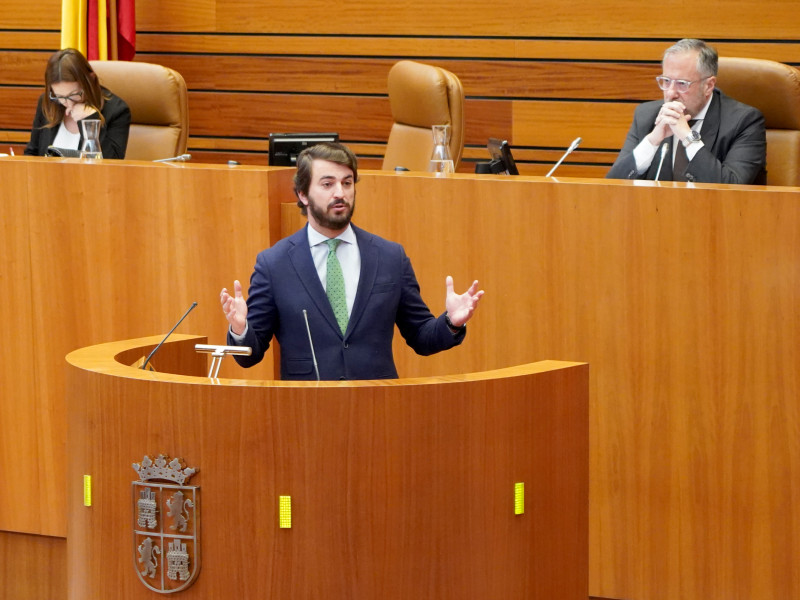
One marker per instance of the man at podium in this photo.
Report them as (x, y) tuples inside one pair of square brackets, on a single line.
[(332, 293)]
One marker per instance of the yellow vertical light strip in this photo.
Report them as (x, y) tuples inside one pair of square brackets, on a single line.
[(87, 490), (73, 24), (519, 498), (102, 30), (285, 512)]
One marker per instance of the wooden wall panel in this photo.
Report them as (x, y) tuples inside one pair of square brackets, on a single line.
[(519, 18), (23, 68), (20, 106), (32, 567), (23, 413), (175, 15), (20, 14), (504, 79), (608, 49), (558, 123)]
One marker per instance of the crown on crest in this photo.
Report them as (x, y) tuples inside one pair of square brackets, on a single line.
[(161, 469)]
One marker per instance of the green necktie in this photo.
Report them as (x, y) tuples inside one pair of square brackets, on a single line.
[(335, 286)]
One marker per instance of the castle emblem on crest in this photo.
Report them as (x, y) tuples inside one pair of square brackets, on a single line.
[(166, 525)]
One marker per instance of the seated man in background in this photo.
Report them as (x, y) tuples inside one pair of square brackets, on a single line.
[(697, 133)]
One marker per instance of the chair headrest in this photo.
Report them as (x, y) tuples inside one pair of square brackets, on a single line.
[(153, 92), (418, 94), (770, 86)]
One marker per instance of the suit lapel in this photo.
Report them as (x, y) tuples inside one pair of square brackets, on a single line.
[(709, 128), (366, 279), (300, 258)]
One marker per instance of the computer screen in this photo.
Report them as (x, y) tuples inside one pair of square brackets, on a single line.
[(284, 147)]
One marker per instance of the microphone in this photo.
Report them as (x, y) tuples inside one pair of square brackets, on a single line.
[(311, 343), (181, 158), (664, 150), (147, 360), (575, 143)]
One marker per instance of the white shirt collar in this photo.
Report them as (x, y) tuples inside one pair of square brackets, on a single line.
[(315, 237)]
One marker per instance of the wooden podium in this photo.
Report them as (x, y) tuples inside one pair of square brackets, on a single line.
[(398, 489)]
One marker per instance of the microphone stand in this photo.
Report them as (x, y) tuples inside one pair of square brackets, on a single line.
[(572, 147), (181, 158), (311, 343), (149, 356), (664, 150)]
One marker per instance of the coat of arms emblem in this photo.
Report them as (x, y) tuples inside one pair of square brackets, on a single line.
[(166, 525)]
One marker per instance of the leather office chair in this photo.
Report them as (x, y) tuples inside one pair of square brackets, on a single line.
[(159, 106), (774, 89), (422, 96)]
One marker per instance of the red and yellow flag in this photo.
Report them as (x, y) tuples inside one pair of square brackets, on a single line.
[(100, 29)]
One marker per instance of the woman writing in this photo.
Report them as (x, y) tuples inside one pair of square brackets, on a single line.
[(73, 93)]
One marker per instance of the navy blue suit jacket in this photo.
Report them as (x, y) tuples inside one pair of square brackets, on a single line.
[(285, 282)]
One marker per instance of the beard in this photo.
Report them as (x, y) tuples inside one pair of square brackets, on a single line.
[(327, 221)]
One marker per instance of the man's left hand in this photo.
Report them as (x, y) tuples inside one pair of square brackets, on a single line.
[(461, 306)]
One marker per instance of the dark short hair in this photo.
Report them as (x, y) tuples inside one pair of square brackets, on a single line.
[(707, 57), (70, 65), (331, 151)]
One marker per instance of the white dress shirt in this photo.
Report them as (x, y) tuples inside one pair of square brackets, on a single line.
[(66, 139), (349, 257)]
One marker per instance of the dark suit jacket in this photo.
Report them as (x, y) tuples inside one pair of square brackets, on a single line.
[(734, 151), (113, 133), (285, 282)]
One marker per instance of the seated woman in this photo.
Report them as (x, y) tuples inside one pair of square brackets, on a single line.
[(72, 93)]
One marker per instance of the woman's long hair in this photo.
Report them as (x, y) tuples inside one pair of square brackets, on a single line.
[(70, 65)]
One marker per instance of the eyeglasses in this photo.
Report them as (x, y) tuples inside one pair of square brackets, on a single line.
[(73, 97), (681, 85)]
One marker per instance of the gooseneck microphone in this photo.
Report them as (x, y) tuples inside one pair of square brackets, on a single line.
[(664, 150), (149, 356), (181, 158), (575, 143), (311, 343)]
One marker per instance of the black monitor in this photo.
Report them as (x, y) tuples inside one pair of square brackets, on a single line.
[(502, 161), (284, 147)]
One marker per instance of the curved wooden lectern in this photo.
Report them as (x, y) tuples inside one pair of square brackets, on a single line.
[(398, 489)]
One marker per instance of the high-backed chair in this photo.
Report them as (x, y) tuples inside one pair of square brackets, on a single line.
[(422, 96), (159, 106), (774, 89)]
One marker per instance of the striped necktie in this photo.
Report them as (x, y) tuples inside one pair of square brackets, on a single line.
[(334, 287)]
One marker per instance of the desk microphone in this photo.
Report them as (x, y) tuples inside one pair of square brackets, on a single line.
[(181, 158), (147, 360), (664, 150), (575, 143), (311, 343)]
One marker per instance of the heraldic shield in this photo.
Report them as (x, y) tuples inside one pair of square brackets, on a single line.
[(166, 525)]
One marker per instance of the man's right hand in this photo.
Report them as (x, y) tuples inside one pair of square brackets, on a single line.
[(234, 307), (670, 119)]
